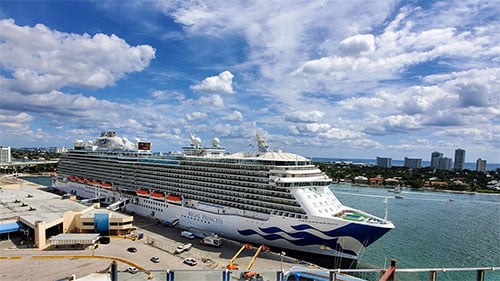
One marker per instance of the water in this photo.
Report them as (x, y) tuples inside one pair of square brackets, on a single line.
[(45, 181), (431, 231)]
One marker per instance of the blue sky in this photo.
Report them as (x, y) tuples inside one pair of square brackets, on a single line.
[(351, 79)]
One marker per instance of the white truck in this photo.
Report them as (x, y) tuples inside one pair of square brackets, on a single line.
[(183, 248), (211, 240), (187, 234)]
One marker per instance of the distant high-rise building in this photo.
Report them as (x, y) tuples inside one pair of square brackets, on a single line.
[(415, 163), (444, 163), (384, 162), (5, 154), (62, 149), (435, 156), (480, 165), (459, 159)]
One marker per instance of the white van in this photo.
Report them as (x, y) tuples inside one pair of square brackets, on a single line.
[(187, 234)]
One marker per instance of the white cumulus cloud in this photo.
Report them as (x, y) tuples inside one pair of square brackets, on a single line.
[(213, 101), (41, 59), (234, 116), (357, 44), (14, 121), (304, 117), (223, 83), (196, 116)]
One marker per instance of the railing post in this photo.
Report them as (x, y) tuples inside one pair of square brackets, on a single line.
[(432, 275), (332, 276), (114, 271), (279, 276), (480, 275), (226, 275), (170, 275), (390, 273)]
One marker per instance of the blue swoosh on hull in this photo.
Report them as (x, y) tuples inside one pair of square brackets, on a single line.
[(365, 234), (306, 239)]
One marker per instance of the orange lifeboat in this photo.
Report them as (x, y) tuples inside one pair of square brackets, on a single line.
[(71, 178), (142, 192), (174, 199), (158, 195), (106, 184)]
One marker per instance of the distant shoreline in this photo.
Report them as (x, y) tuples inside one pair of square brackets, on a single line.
[(420, 190), (398, 163)]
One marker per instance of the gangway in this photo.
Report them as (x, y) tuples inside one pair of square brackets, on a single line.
[(115, 206)]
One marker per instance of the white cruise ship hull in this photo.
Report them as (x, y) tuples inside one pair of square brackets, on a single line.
[(315, 235)]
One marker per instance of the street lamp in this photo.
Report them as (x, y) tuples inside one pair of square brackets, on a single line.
[(281, 259)]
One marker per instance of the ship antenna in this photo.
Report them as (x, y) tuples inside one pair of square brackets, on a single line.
[(386, 201), (261, 143)]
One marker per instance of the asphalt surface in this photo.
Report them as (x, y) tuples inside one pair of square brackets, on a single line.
[(159, 241)]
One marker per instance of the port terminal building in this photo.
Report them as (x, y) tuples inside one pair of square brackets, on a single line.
[(40, 219)]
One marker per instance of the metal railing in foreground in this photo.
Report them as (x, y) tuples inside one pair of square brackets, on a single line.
[(298, 273)]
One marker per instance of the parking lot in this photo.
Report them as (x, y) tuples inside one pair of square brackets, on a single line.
[(158, 241)]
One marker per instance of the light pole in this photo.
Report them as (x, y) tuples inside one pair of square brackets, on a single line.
[(281, 259)]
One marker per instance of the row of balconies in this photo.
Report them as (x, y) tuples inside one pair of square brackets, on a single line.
[(210, 190), (213, 177)]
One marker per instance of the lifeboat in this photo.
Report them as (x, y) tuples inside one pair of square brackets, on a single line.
[(80, 180), (157, 195), (142, 192), (174, 199), (106, 184), (71, 178)]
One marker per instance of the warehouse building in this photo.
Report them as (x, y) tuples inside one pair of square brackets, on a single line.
[(33, 217)]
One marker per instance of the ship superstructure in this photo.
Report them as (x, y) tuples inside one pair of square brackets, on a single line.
[(267, 197)]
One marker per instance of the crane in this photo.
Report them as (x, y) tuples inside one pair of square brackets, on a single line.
[(251, 274), (231, 264)]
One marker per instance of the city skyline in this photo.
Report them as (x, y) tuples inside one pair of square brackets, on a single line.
[(345, 79), (412, 162)]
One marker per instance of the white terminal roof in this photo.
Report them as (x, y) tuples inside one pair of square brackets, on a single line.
[(100, 211), (33, 204), (71, 238)]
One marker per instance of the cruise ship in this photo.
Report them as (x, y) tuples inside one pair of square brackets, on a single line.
[(273, 198)]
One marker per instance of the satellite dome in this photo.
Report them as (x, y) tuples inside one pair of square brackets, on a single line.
[(215, 142)]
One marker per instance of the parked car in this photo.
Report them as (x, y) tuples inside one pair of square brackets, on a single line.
[(155, 259), (132, 249), (132, 270), (190, 261), (183, 248)]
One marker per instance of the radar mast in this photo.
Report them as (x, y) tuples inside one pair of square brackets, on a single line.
[(261, 143)]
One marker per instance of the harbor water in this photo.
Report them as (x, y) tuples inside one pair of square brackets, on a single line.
[(433, 230)]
